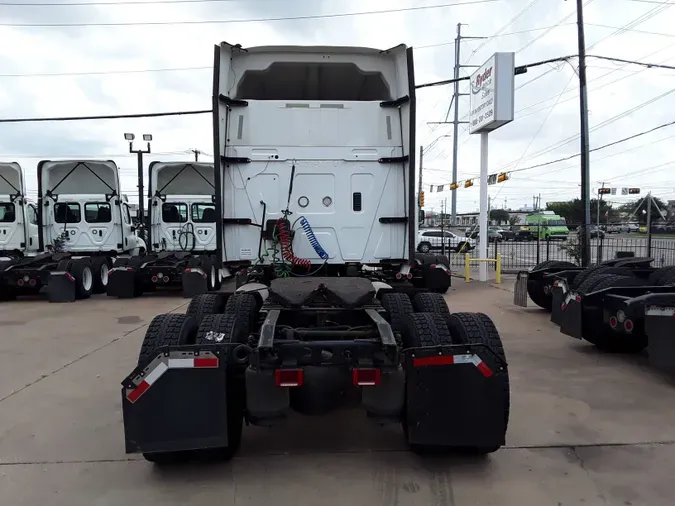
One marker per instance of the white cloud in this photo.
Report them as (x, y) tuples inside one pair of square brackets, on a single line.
[(612, 88)]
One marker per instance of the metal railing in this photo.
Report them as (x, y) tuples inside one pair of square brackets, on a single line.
[(497, 261)]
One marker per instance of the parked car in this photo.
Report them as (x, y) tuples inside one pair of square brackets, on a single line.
[(494, 236), (614, 228), (433, 239), (595, 232), (507, 234)]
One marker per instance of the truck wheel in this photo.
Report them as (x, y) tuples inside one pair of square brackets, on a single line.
[(430, 303), (588, 272), (170, 329), (166, 330), (535, 288), (204, 263), (244, 305), (99, 268), (80, 269), (227, 328), (206, 304), (424, 247), (668, 279), (479, 329), (398, 307), (591, 281), (658, 277), (219, 278)]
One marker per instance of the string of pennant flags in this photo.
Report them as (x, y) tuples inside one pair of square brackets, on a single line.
[(468, 183)]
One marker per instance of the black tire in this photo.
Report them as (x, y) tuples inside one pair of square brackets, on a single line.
[(591, 271), (398, 306), (424, 302), (425, 259), (634, 261), (166, 330), (425, 329), (80, 269), (668, 279), (535, 288), (135, 262), (443, 260), (205, 263), (228, 328), (658, 277), (170, 329), (592, 281), (100, 277), (206, 304), (462, 247), (244, 305), (479, 329), (424, 247)]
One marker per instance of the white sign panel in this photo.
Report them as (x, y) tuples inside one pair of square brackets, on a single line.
[(492, 93)]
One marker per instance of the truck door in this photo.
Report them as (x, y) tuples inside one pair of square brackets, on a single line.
[(203, 216), (98, 218), (32, 242)]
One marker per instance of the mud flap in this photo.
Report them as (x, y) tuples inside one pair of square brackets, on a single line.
[(520, 291), (122, 283), (558, 293), (454, 397), (178, 402), (386, 400), (266, 403), (660, 330), (61, 287), (194, 282), (571, 314)]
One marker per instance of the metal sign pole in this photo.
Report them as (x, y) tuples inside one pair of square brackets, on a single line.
[(483, 218)]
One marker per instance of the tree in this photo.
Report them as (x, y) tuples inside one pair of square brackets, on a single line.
[(513, 219), (499, 215), (631, 209), (573, 210)]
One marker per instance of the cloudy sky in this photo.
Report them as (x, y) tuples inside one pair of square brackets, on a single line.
[(124, 57)]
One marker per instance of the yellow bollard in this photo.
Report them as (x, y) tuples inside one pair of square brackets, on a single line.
[(499, 269), (467, 267)]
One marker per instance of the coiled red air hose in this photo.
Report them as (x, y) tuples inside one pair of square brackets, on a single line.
[(286, 247)]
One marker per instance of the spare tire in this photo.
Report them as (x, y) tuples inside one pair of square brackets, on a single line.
[(597, 270), (596, 283)]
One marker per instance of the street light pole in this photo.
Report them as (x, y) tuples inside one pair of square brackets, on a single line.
[(139, 156)]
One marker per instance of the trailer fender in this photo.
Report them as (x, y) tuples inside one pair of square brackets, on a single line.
[(122, 282), (195, 282), (660, 330), (571, 316), (177, 402)]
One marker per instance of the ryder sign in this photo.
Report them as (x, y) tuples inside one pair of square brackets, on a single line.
[(492, 92)]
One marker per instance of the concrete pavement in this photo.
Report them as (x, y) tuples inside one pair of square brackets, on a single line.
[(586, 428)]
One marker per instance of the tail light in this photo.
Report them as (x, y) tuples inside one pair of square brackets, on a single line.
[(19, 282), (628, 325), (32, 282), (289, 377), (366, 377), (613, 322), (166, 279), (399, 275), (154, 279)]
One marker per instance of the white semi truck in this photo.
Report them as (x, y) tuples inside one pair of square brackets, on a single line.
[(181, 235), (83, 223), (317, 212)]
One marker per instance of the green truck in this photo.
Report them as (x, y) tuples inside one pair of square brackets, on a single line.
[(547, 225)]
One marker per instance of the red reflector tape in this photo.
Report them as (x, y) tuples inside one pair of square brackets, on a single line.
[(138, 391), (70, 277), (452, 360), (289, 377), (206, 362)]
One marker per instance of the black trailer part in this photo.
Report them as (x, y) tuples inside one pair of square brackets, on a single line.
[(61, 287), (194, 282), (471, 415), (588, 316), (541, 280), (659, 311)]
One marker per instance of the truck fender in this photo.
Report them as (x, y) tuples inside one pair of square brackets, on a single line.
[(255, 287)]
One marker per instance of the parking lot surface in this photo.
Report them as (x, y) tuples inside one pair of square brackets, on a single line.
[(586, 428)]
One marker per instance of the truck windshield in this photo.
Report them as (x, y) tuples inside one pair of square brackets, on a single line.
[(7, 214), (555, 223), (203, 213)]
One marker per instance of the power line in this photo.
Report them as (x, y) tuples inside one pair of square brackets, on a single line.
[(114, 3), (251, 20), (106, 116), (631, 62)]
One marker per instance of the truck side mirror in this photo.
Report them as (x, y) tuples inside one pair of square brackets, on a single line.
[(421, 216)]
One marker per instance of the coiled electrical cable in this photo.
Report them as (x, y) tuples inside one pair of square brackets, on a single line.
[(187, 231), (312, 238)]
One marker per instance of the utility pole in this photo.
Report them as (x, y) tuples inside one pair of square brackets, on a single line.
[(585, 236), (649, 224), (599, 254), (139, 156), (197, 153), (455, 122), (419, 183)]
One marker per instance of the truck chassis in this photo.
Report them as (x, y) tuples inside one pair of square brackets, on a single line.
[(310, 345)]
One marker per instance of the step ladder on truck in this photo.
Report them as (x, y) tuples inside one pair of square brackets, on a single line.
[(315, 181), (181, 235), (83, 223)]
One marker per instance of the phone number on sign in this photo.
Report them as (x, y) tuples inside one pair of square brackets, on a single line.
[(486, 115)]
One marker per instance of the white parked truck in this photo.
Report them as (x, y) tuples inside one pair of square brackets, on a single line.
[(83, 224), (181, 234), (18, 214), (315, 181)]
